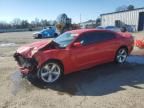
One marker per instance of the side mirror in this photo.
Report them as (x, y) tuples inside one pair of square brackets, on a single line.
[(77, 44)]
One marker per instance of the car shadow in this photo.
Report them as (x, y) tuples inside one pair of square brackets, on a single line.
[(97, 81)]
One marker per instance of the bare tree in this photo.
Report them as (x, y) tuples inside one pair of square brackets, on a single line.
[(37, 22), (98, 21), (4, 25), (52, 23), (25, 24), (130, 7), (124, 8), (121, 8), (16, 22), (44, 23)]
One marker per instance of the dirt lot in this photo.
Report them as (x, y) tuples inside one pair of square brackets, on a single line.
[(104, 86)]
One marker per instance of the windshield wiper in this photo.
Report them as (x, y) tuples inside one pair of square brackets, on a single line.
[(57, 44)]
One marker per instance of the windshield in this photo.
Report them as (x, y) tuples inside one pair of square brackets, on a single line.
[(44, 30), (65, 39)]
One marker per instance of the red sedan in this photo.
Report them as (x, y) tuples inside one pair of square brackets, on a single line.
[(72, 52)]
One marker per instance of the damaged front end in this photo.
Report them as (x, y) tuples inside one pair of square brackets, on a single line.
[(27, 65), (29, 56)]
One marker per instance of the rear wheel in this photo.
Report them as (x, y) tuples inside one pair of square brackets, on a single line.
[(50, 72), (55, 35), (121, 55)]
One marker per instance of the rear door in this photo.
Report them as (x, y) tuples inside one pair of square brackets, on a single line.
[(97, 47), (106, 45)]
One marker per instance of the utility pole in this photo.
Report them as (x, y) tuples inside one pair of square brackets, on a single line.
[(80, 18)]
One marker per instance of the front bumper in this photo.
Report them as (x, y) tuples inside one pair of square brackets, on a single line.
[(35, 35), (26, 65)]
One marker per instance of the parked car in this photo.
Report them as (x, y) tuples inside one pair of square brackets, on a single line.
[(100, 27), (73, 51), (46, 33), (129, 28), (111, 28)]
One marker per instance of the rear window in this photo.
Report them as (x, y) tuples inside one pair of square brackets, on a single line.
[(95, 37)]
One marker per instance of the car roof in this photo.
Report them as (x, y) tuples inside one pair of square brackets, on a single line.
[(80, 31)]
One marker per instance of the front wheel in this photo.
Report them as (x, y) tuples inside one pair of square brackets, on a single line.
[(39, 36), (50, 72), (121, 55)]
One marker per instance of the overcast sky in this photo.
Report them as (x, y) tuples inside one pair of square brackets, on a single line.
[(50, 9)]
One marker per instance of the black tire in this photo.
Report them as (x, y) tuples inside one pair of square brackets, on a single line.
[(55, 35), (58, 70), (39, 36), (121, 55)]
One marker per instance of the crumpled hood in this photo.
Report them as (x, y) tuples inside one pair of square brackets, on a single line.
[(38, 44), (30, 49)]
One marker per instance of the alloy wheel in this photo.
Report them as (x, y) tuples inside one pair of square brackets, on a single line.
[(121, 55), (50, 72)]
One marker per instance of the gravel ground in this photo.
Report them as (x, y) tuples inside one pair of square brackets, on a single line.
[(104, 86)]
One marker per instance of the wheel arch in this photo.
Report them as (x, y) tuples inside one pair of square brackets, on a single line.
[(56, 60), (59, 62), (123, 46)]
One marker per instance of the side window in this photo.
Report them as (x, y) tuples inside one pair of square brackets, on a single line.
[(45, 32), (95, 37), (107, 36), (85, 39)]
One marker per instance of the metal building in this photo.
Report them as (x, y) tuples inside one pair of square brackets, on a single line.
[(88, 24), (133, 19)]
